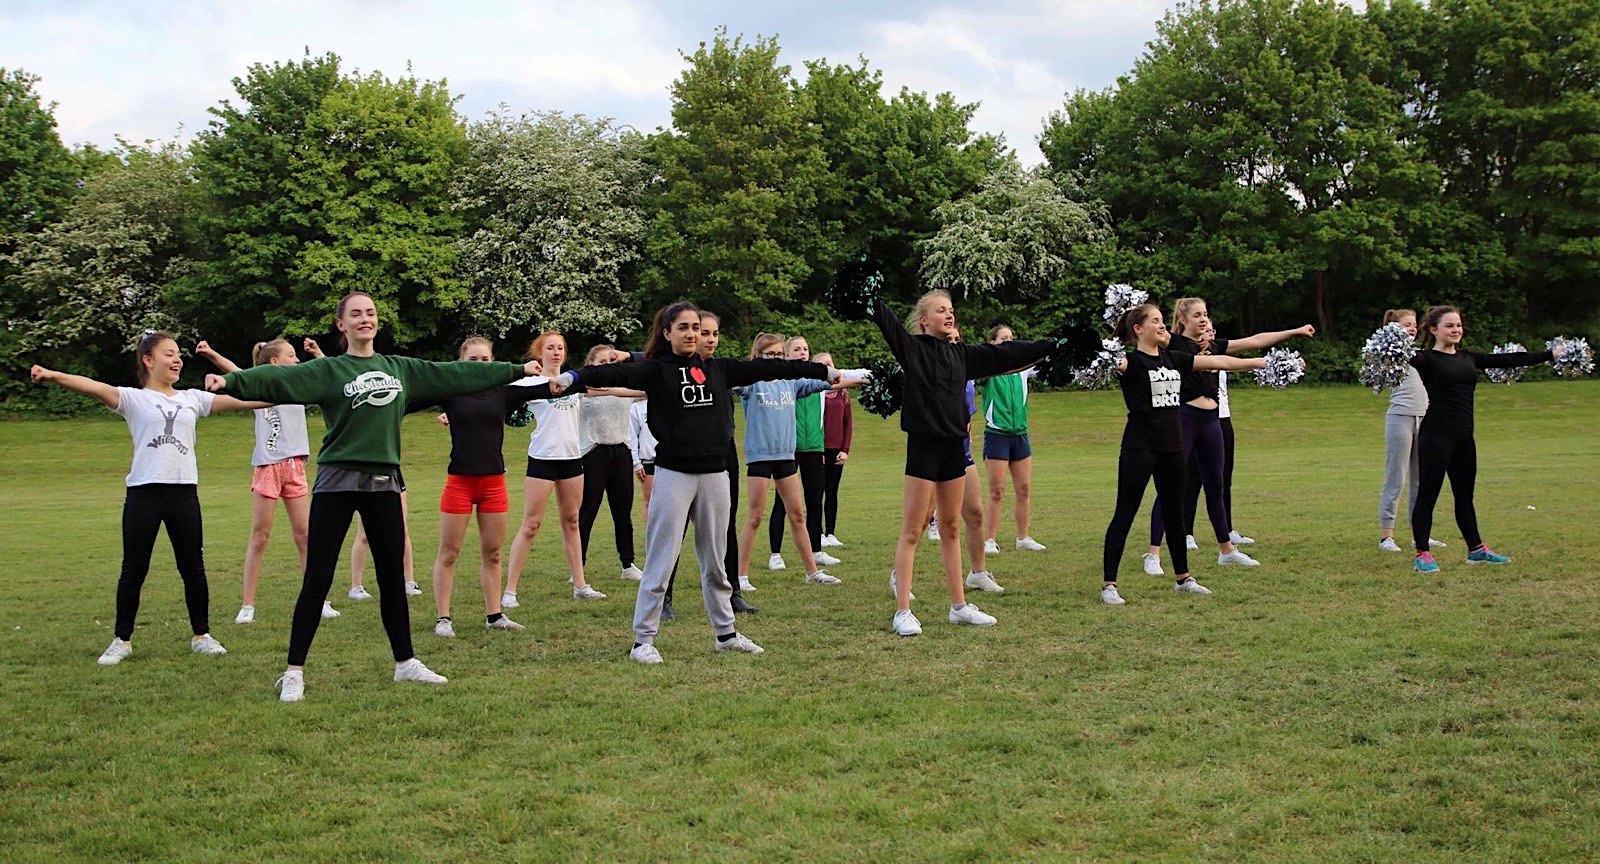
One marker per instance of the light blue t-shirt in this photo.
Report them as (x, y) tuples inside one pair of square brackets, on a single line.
[(769, 429)]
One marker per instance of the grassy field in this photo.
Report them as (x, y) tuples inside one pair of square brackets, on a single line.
[(1328, 705)]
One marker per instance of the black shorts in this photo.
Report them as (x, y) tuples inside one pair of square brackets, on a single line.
[(649, 468), (773, 469), (554, 469), (936, 459)]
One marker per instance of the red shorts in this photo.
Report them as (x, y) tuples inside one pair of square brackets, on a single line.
[(462, 491), (286, 479)]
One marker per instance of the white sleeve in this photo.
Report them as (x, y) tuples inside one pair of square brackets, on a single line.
[(633, 438), (203, 400), (124, 400)]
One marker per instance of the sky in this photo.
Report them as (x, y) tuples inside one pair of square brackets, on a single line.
[(149, 70)]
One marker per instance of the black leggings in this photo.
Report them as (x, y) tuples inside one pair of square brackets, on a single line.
[(1441, 454), (384, 521), (811, 480), (144, 511), (730, 559), (1202, 441), (832, 473), (1134, 470), (608, 472), (1192, 503)]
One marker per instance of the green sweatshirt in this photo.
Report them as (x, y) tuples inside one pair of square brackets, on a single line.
[(363, 399), (1005, 403), (808, 424)]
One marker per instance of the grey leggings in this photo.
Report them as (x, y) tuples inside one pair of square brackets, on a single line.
[(1400, 466)]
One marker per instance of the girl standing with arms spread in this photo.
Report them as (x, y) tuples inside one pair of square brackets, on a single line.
[(1408, 404), (1201, 427), (363, 397), (607, 464), (163, 482), (282, 449), (1152, 443), (838, 428), (555, 464), (1006, 449), (688, 396), (476, 478), (808, 458), (1447, 447), (935, 421), (769, 451)]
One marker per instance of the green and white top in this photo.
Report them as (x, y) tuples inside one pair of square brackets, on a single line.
[(1005, 403)]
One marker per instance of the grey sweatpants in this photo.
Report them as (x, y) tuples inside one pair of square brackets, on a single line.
[(1400, 465), (670, 512)]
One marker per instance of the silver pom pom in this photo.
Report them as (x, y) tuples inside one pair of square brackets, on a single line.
[(1573, 357), (1386, 357), (1120, 298), (1101, 372), (1507, 376), (1284, 367)]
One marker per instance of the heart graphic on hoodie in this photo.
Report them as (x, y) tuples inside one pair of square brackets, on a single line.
[(697, 374)]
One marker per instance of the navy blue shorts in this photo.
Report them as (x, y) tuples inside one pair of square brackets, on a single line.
[(1006, 448)]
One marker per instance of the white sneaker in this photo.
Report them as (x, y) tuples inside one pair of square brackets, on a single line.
[(1238, 539), (829, 541), (821, 577), (587, 592), (825, 559), (1028, 544), (632, 573), (739, 642), (1110, 597), (646, 654), (1435, 544), (970, 614), (508, 600), (247, 615), (775, 562), (1387, 544), (1189, 586), (116, 652), (1152, 565), (990, 547), (933, 533), (207, 646), (291, 685), (1237, 557), (744, 584), (894, 585), (503, 623), (327, 611), (906, 624), (413, 670), (413, 589), (359, 593), (444, 628), (983, 582), (1188, 543)]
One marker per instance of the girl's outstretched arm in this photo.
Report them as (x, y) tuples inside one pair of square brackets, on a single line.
[(228, 403), (1267, 340), (1223, 363), (204, 349), (100, 390)]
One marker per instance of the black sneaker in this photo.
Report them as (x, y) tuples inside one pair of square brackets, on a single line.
[(741, 607), (667, 614)]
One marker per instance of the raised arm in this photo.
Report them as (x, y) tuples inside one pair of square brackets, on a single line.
[(205, 350), (893, 330), (988, 360), (1263, 340), (106, 393), (1510, 361)]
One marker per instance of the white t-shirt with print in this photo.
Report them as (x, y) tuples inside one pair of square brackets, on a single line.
[(280, 434), (162, 427), (1224, 410), (556, 428)]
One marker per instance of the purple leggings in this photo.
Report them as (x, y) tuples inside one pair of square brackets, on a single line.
[(1202, 441)]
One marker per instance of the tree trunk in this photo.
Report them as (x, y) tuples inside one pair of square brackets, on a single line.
[(1324, 306)]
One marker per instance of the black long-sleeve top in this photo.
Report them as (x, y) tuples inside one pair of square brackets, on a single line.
[(690, 406), (937, 371), (1451, 379), (477, 426)]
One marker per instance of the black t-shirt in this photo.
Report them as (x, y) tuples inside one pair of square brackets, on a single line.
[(1450, 380), (1197, 384), (477, 427), (1151, 388)]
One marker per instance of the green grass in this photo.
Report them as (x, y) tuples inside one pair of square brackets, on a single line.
[(1328, 705)]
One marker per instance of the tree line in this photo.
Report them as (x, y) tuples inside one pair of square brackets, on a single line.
[(1289, 160)]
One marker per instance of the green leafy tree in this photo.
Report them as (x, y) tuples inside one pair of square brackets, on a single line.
[(554, 206), (320, 184), (734, 219), (38, 176)]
